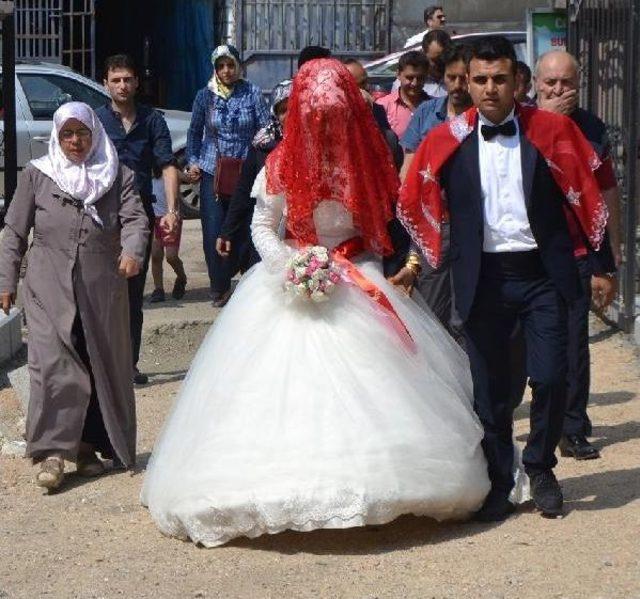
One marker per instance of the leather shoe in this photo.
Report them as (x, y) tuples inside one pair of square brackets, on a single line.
[(89, 465), (139, 378), (179, 288), (220, 299), (577, 446), (496, 508), (157, 296), (546, 493)]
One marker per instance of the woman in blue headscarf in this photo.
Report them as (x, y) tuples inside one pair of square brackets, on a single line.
[(226, 115)]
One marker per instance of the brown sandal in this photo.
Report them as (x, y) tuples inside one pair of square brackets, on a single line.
[(51, 472)]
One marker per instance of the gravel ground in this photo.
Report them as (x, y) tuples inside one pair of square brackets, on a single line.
[(93, 539)]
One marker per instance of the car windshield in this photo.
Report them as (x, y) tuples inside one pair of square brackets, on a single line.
[(47, 92)]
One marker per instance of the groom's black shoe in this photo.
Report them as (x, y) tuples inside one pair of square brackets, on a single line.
[(578, 447), (546, 493), (496, 508)]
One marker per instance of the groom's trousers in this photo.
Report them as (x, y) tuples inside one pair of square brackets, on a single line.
[(514, 288)]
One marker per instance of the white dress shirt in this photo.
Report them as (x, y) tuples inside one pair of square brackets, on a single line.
[(506, 224)]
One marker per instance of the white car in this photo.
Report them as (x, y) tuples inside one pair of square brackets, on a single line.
[(41, 88), (383, 71)]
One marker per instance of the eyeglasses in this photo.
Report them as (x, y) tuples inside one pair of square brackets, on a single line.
[(68, 134)]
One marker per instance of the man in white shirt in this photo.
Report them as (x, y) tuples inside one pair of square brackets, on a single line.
[(434, 18), (512, 261)]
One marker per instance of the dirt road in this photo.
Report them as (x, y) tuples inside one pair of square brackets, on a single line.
[(95, 540)]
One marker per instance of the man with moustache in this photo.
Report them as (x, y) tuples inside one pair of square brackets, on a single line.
[(401, 103), (434, 284), (434, 18), (508, 177), (557, 82)]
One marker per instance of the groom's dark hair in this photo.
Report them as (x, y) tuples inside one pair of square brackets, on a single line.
[(492, 47)]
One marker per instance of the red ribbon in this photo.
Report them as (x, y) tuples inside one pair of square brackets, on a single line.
[(342, 255)]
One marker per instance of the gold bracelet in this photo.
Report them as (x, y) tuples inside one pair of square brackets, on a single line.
[(413, 264)]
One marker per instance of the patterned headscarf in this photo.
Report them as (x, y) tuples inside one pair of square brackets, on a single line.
[(267, 138), (215, 85), (87, 181), (333, 150)]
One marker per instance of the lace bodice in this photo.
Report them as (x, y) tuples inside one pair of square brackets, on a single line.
[(333, 223)]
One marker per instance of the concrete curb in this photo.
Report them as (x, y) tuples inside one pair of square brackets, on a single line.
[(19, 379), (10, 334)]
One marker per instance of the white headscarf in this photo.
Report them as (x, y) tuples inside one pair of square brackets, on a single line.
[(87, 181)]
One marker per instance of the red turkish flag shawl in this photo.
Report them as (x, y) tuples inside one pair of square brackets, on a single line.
[(571, 159)]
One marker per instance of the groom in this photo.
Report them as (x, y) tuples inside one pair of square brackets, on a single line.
[(511, 253)]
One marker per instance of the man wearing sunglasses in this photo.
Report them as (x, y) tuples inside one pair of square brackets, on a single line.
[(434, 18)]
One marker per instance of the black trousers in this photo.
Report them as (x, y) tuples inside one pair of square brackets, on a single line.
[(514, 288), (576, 420), (94, 432), (136, 295)]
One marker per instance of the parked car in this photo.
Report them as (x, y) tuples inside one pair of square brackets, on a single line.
[(41, 88), (383, 71)]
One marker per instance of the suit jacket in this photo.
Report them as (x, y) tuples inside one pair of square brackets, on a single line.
[(544, 200), (242, 204)]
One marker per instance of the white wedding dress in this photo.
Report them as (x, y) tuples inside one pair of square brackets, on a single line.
[(300, 416)]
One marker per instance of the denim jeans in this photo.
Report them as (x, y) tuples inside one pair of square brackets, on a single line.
[(212, 214)]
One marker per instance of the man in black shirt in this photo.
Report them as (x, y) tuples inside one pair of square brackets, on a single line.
[(141, 137)]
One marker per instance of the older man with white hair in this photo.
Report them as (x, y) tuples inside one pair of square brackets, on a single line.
[(557, 80)]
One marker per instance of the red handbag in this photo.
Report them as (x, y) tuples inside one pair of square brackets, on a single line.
[(227, 175)]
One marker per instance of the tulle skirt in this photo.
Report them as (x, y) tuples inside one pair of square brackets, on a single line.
[(302, 416)]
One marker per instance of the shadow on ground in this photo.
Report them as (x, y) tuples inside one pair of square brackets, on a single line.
[(195, 295), (404, 533), (602, 490)]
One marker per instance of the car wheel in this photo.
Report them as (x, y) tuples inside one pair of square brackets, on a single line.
[(189, 193)]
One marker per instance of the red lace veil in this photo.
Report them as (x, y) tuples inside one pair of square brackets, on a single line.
[(333, 150)]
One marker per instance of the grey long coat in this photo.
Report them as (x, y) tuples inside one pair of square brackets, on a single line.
[(73, 268)]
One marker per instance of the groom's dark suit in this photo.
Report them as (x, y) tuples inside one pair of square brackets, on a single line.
[(494, 290)]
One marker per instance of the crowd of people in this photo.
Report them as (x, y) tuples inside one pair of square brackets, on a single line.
[(470, 217)]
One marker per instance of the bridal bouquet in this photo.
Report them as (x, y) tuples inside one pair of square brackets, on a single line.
[(311, 275)]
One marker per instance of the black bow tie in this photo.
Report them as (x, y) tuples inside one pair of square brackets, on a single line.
[(508, 129)]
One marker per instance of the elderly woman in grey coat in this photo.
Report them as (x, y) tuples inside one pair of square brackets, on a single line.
[(89, 234)]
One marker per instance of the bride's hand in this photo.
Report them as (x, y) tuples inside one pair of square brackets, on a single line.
[(404, 279)]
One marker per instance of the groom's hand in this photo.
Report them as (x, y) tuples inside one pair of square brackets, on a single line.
[(603, 290), (403, 279)]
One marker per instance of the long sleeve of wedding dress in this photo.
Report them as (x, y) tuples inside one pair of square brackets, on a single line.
[(264, 227)]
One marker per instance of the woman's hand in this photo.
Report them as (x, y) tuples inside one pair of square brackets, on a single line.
[(169, 223), (128, 267), (223, 247), (404, 279), (193, 173), (7, 300)]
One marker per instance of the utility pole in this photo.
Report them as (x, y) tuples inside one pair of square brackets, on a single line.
[(9, 100)]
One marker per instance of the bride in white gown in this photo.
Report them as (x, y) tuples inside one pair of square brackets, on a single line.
[(302, 415)]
